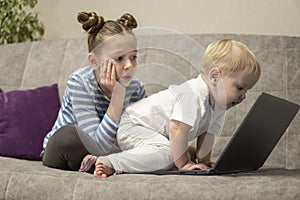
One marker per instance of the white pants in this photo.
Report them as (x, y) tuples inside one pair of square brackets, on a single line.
[(143, 150)]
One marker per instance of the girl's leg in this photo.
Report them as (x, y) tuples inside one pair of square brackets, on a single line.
[(67, 148)]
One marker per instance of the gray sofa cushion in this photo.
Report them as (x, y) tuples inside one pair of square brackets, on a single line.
[(22, 179)]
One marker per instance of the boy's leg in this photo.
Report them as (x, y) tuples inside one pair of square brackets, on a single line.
[(67, 148), (142, 150)]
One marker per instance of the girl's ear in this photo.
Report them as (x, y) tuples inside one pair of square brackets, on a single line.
[(93, 61), (214, 75)]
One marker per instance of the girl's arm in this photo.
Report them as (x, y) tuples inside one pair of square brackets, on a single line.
[(103, 131), (115, 107), (113, 89)]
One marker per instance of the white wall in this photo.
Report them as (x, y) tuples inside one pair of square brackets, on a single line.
[(270, 17)]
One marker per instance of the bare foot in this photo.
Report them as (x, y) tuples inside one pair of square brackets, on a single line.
[(87, 162), (103, 168)]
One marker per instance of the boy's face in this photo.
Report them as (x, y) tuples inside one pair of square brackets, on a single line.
[(231, 90)]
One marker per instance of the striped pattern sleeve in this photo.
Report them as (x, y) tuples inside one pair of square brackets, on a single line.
[(142, 92), (103, 131), (134, 92), (106, 133)]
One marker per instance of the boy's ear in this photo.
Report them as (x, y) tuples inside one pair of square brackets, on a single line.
[(214, 75), (93, 60)]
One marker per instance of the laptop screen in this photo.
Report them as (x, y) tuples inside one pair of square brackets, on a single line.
[(257, 135)]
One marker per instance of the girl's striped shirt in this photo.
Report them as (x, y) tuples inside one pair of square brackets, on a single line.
[(84, 105)]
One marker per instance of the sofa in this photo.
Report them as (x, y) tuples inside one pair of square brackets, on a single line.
[(164, 59)]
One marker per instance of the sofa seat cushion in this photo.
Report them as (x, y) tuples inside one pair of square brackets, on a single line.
[(24, 179)]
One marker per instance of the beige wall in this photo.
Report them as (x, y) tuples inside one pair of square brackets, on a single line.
[(271, 17)]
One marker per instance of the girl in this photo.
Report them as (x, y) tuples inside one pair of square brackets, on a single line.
[(95, 96)]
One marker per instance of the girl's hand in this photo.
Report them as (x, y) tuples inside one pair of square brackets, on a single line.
[(108, 77)]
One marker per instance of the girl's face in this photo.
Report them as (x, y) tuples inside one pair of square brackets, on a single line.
[(231, 90), (121, 51)]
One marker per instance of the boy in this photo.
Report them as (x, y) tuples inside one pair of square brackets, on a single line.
[(154, 132)]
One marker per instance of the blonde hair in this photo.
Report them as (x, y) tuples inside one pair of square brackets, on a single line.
[(98, 29), (229, 56)]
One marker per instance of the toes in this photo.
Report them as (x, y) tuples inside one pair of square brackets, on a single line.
[(103, 176), (100, 170)]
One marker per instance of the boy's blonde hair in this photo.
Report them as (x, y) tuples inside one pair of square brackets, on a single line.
[(229, 56)]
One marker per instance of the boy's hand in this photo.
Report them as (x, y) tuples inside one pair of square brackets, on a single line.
[(208, 163), (192, 166)]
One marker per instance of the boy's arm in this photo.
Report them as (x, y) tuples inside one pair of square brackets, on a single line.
[(205, 144), (179, 143)]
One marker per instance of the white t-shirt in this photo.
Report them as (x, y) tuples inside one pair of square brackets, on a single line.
[(187, 103)]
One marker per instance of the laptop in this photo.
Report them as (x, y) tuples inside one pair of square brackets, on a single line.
[(253, 141)]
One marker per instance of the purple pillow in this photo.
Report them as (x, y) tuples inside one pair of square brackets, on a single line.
[(26, 116)]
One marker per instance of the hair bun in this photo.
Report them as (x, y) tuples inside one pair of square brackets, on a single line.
[(91, 22), (127, 20)]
